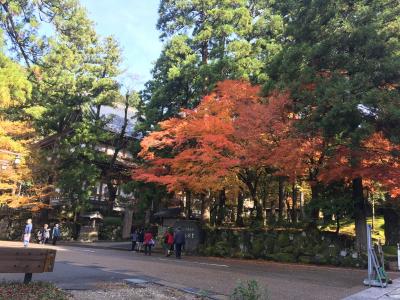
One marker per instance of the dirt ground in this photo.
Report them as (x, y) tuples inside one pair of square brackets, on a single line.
[(123, 291)]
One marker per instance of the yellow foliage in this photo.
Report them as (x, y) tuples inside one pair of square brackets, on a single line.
[(15, 141)]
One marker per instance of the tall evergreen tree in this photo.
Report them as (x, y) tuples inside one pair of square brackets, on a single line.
[(208, 41), (340, 60)]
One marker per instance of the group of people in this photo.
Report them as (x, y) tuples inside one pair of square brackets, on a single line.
[(142, 238), (43, 234), (172, 241)]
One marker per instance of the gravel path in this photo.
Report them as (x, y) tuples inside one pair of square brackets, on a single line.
[(122, 291)]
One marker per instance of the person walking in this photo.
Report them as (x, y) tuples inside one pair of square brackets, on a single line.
[(134, 237), (179, 240), (148, 242), (27, 232), (169, 241), (140, 239), (45, 234), (56, 234)]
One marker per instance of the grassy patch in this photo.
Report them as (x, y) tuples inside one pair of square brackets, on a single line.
[(32, 291), (347, 227)]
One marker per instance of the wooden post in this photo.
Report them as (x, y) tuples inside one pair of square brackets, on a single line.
[(27, 278)]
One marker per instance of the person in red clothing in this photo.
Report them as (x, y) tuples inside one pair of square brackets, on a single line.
[(169, 241), (148, 242)]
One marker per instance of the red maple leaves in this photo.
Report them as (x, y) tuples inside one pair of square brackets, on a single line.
[(235, 128)]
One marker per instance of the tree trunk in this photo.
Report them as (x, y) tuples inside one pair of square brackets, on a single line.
[(359, 214), (232, 214), (294, 203), (301, 205), (204, 52), (315, 189), (337, 225), (259, 209), (127, 223), (112, 195), (205, 209), (188, 204), (392, 225), (77, 225), (281, 196), (272, 213), (239, 213), (44, 212), (221, 207), (264, 211)]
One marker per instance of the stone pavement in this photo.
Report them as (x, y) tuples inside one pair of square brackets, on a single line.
[(392, 291)]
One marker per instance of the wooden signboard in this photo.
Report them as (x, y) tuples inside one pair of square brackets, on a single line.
[(26, 260)]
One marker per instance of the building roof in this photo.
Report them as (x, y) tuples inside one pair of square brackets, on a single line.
[(92, 215), (173, 212), (116, 115)]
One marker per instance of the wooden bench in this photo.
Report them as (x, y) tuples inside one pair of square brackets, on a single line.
[(26, 260)]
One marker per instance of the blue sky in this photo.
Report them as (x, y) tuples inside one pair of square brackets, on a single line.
[(133, 24)]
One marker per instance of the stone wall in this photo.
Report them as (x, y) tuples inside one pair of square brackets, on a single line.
[(283, 246)]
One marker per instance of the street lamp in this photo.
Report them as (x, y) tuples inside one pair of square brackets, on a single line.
[(17, 160)]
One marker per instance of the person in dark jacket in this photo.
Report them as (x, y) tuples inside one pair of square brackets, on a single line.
[(56, 234), (179, 240), (140, 240)]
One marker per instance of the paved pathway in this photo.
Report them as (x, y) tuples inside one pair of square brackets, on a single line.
[(391, 292), (83, 268)]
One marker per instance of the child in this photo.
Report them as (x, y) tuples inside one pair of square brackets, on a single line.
[(134, 237), (27, 232)]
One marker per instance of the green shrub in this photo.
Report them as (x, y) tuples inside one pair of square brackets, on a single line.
[(320, 259), (288, 249), (116, 221), (222, 249), (257, 248), (110, 232), (209, 251), (305, 259), (249, 290), (283, 240), (284, 257), (67, 231)]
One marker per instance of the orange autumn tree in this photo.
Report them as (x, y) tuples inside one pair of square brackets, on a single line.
[(224, 137), (296, 156), (379, 162), (191, 152)]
